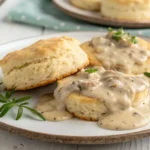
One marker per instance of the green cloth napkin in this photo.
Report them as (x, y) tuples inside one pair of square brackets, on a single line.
[(44, 13)]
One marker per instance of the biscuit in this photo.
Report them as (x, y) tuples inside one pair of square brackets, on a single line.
[(135, 69), (42, 63), (94, 93), (128, 10), (87, 108), (87, 4), (84, 107)]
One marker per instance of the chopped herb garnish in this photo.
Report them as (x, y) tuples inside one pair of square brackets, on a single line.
[(21, 103), (91, 70), (121, 34), (110, 29), (147, 74), (118, 35), (133, 39)]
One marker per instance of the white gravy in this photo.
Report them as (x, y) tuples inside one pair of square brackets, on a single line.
[(126, 109), (51, 109), (120, 55)]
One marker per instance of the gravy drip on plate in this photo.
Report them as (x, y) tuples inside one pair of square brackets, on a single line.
[(118, 55), (51, 109), (117, 91)]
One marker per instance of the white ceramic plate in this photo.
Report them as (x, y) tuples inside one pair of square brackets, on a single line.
[(96, 17), (71, 131)]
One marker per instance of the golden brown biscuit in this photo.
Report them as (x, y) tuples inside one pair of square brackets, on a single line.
[(87, 4), (42, 63), (135, 68), (87, 108), (132, 10), (97, 93), (84, 107)]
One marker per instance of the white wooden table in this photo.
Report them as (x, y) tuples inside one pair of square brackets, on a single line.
[(10, 31)]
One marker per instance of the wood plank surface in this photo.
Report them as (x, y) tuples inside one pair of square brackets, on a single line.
[(14, 142)]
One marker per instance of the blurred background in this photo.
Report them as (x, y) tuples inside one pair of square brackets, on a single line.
[(12, 30), (26, 18)]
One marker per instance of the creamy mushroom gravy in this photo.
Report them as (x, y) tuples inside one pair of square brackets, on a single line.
[(125, 97), (51, 109), (118, 55)]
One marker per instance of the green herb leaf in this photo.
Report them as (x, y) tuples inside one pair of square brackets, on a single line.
[(5, 106), (20, 112), (14, 100), (91, 70), (110, 29), (26, 103), (121, 34), (23, 99), (147, 74), (1, 83), (20, 103), (9, 94), (118, 34), (35, 112), (6, 109), (3, 101), (2, 97), (134, 40)]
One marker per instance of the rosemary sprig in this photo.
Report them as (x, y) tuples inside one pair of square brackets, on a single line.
[(147, 74), (121, 34), (21, 103), (91, 70)]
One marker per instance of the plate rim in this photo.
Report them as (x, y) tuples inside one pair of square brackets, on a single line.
[(2, 1), (67, 139), (104, 21), (111, 139), (61, 33)]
